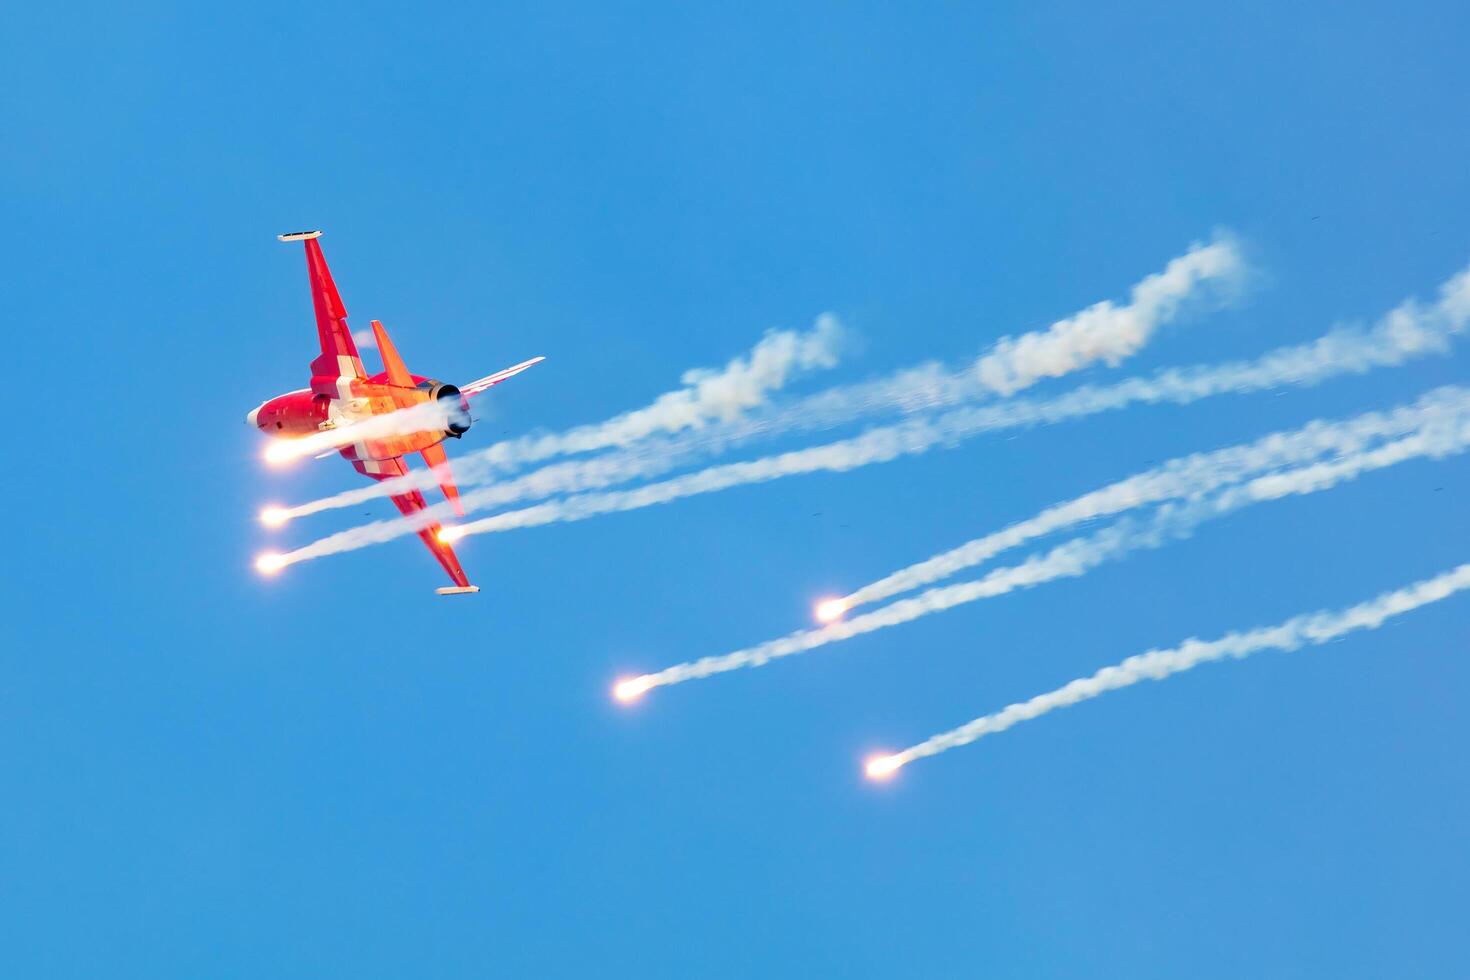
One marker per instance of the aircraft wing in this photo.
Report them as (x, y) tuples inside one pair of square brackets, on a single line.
[(412, 503), (338, 363), (491, 380)]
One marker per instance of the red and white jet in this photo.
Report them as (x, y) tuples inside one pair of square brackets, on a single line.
[(343, 396)]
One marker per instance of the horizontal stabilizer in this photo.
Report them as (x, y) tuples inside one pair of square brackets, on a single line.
[(491, 380), (457, 590), (298, 236)]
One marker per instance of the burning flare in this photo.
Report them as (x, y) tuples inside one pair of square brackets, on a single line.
[(883, 766), (270, 563), (274, 516), (280, 453), (449, 535), (631, 689), (830, 610)]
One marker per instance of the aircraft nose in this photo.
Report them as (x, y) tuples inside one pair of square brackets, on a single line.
[(251, 419)]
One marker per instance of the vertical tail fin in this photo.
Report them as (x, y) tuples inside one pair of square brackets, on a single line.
[(392, 363), (434, 456)]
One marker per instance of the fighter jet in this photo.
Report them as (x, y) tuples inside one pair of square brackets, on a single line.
[(344, 406)]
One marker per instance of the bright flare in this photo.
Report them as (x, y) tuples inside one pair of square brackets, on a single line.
[(631, 689), (883, 766), (831, 610), (270, 563), (449, 535), (280, 453), (274, 516)]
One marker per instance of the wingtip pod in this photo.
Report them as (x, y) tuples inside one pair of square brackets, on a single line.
[(457, 590)]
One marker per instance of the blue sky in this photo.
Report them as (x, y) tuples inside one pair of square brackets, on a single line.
[(335, 773)]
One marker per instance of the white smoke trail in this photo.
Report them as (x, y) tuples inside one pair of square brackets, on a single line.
[(707, 396), (1409, 331), (910, 437), (1436, 439), (1107, 332), (1186, 476), (1207, 274), (637, 462), (879, 445), (720, 404), (1311, 629)]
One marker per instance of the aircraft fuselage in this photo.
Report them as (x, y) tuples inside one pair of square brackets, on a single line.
[(303, 412)]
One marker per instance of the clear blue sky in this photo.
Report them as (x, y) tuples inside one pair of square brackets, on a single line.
[(336, 774)]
